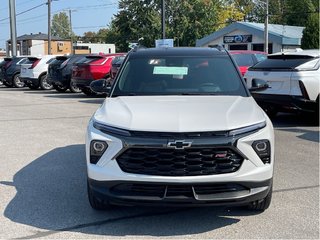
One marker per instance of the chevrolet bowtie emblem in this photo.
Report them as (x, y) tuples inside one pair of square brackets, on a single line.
[(179, 144)]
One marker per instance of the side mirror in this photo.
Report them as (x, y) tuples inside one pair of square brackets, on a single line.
[(100, 86), (258, 85)]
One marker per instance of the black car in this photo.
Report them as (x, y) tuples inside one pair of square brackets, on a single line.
[(60, 71), (1, 75), (10, 71)]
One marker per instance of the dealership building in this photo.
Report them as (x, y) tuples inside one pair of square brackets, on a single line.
[(250, 36)]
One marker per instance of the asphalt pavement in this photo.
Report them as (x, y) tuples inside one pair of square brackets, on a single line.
[(43, 181)]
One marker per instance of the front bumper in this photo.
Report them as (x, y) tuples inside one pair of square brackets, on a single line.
[(183, 194), (254, 177)]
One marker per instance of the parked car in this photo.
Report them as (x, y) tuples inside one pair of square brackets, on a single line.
[(179, 128), (115, 65), (60, 71), (91, 68), (1, 73), (34, 72), (10, 71), (247, 58), (293, 79)]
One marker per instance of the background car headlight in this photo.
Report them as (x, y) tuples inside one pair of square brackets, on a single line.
[(262, 148), (97, 149)]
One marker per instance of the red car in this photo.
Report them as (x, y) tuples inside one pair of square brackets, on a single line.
[(90, 68), (247, 58)]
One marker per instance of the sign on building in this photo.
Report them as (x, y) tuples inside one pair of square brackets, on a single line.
[(164, 43), (237, 39)]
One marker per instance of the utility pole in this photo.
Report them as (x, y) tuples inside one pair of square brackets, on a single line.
[(266, 42), (49, 26), (71, 37), (163, 17), (13, 28)]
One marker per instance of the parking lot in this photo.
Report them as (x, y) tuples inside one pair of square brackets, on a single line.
[(43, 180)]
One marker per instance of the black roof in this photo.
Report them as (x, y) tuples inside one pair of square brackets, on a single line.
[(178, 51)]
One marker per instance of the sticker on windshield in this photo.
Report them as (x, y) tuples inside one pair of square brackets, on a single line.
[(170, 70)]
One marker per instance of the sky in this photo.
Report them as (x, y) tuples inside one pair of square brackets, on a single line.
[(87, 15)]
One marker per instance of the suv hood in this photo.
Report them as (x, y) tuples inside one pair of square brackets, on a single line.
[(179, 113)]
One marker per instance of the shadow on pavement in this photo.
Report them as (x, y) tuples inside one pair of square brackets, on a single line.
[(51, 195), (294, 120), (306, 126)]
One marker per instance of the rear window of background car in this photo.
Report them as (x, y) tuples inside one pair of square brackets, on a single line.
[(281, 62), (243, 59)]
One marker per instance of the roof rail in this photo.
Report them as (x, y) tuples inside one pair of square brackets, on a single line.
[(217, 46), (137, 47)]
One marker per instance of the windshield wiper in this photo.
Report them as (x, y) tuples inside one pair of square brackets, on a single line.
[(195, 94)]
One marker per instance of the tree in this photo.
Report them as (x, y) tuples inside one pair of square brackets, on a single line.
[(228, 13), (189, 20), (135, 20), (61, 26), (89, 37), (310, 37), (297, 12), (186, 21)]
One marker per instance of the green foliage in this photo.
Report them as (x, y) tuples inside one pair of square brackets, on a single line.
[(310, 38), (135, 20), (186, 21), (189, 20), (61, 26), (297, 12)]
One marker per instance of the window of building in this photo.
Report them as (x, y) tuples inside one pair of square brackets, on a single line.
[(260, 47), (238, 47)]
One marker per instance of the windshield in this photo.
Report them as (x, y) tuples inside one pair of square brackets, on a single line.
[(179, 75)]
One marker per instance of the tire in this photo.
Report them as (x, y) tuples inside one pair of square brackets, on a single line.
[(89, 92), (73, 88), (44, 85), (60, 89), (17, 81), (263, 204), (1, 82), (96, 203)]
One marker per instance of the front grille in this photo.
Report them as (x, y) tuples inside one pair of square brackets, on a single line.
[(184, 135), (171, 190), (179, 162)]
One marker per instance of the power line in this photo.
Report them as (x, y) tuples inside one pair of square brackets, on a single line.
[(86, 8), (28, 10), (90, 27)]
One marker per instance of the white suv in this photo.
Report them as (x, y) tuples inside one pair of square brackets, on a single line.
[(179, 128), (293, 79), (34, 72)]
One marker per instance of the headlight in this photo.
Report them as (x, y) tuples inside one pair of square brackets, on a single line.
[(110, 130), (262, 148), (97, 149), (251, 128)]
